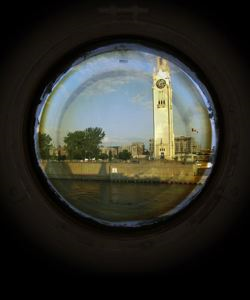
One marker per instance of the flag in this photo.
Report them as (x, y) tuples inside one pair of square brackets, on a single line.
[(194, 130)]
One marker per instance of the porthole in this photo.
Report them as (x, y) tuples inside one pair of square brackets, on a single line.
[(127, 136)]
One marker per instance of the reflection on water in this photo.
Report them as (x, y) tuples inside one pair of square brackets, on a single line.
[(116, 202)]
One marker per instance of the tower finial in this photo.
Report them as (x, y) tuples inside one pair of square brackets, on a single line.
[(162, 64), (158, 63)]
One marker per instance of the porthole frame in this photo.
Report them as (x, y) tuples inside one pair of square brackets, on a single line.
[(51, 77)]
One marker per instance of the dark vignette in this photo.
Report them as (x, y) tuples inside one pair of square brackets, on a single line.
[(22, 254), (55, 71)]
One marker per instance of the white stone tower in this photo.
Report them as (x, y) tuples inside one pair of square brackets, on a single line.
[(163, 112)]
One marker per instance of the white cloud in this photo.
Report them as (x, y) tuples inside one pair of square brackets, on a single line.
[(105, 85), (142, 99)]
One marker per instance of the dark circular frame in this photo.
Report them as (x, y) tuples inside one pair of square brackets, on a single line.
[(60, 68), (29, 202)]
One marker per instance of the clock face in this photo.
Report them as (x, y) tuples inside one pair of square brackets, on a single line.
[(160, 83)]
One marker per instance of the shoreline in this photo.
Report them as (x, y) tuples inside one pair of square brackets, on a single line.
[(123, 181), (144, 172)]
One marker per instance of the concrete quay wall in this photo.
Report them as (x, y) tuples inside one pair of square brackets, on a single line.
[(144, 171)]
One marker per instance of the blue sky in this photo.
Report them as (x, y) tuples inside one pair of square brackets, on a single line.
[(107, 92)]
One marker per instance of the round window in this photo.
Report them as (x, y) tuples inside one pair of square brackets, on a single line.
[(127, 135)]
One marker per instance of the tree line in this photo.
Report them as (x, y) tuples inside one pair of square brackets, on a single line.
[(80, 144)]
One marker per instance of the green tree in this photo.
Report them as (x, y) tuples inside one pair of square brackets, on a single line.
[(84, 144), (124, 155), (103, 156), (44, 142), (110, 156)]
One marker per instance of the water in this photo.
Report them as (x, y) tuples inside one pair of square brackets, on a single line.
[(116, 202)]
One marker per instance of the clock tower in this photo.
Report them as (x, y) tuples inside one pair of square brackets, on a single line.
[(163, 111)]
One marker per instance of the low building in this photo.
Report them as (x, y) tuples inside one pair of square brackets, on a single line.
[(186, 148), (185, 145), (205, 155), (151, 147), (112, 149), (61, 151), (53, 151), (136, 149), (57, 152)]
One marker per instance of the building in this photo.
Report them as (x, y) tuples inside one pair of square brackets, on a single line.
[(53, 151), (206, 155), (136, 149), (151, 147), (185, 144), (186, 149), (112, 149), (58, 152), (163, 112)]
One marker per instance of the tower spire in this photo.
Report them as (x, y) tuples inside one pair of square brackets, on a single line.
[(163, 65)]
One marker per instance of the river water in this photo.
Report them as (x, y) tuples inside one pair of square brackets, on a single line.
[(116, 202)]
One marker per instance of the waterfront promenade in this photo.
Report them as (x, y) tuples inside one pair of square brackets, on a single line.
[(142, 171)]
